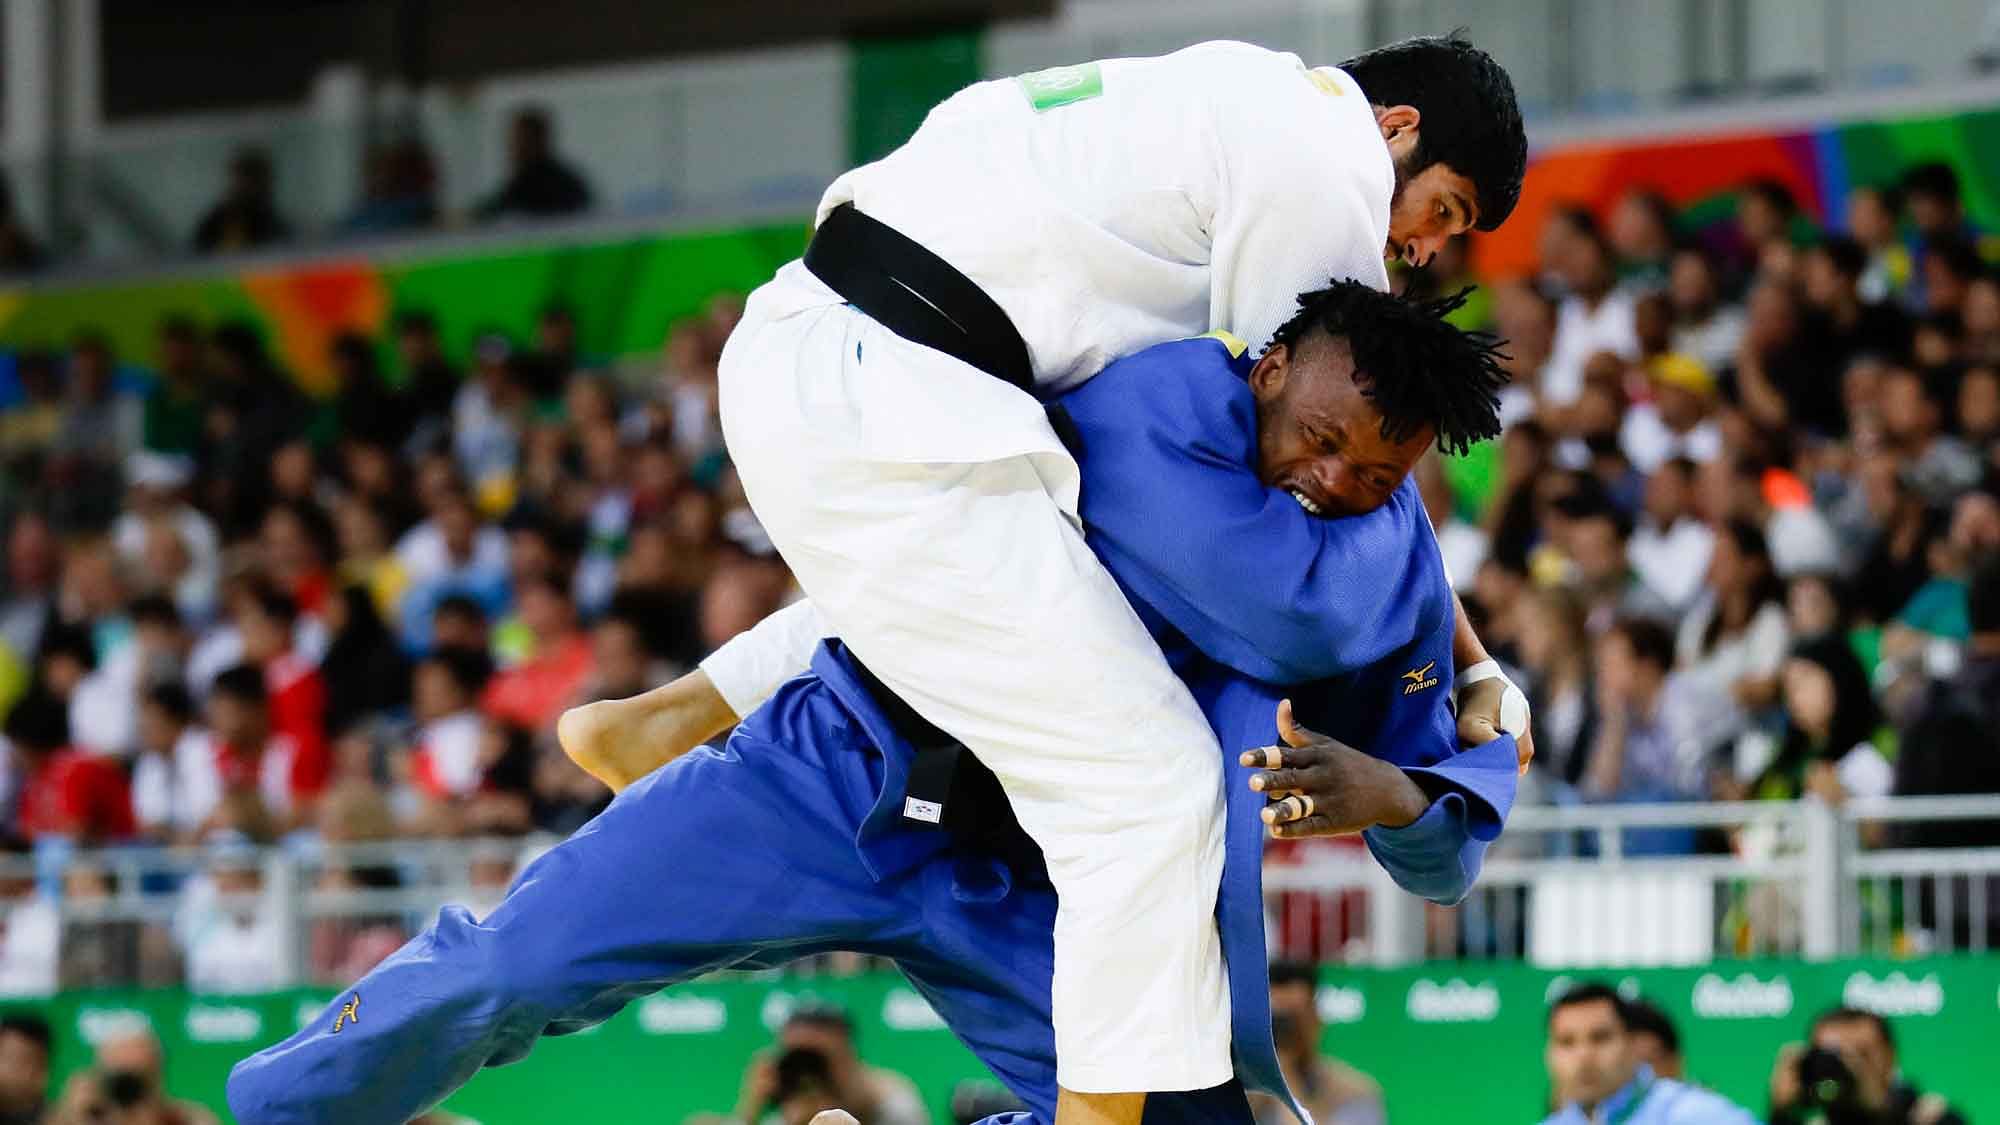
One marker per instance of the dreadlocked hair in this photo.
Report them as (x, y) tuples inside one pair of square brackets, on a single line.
[(1418, 369)]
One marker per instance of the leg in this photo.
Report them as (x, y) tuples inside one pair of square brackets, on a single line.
[(970, 592), (738, 857), (985, 965)]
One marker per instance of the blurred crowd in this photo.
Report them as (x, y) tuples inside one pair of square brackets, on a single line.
[(235, 615), (1738, 537), (399, 195)]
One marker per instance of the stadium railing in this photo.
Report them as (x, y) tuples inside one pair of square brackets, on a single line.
[(1565, 886)]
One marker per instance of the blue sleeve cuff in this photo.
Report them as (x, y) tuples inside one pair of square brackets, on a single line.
[(1426, 857)]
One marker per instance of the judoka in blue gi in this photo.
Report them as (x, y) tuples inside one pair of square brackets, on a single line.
[(1205, 475)]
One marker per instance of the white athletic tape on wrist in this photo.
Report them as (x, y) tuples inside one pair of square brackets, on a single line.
[(1513, 704)]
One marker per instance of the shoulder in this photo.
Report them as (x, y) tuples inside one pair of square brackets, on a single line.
[(1191, 385), (1686, 1104)]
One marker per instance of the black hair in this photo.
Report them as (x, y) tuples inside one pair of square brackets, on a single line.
[(1284, 973), (29, 1026), (73, 641), (274, 603), (1418, 369), (173, 698), (1469, 117), (1844, 1014), (1889, 196), (459, 605), (1846, 255), (1934, 178), (243, 683), (1643, 1015), (1958, 255), (1774, 193), (468, 668), (1590, 992), (1983, 596), (823, 1015), (179, 326), (314, 522), (416, 320), (154, 609), (38, 722), (1651, 641)]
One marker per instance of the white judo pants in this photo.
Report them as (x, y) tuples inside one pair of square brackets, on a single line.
[(927, 509)]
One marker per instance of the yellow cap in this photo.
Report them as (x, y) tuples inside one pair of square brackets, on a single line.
[(1678, 369)]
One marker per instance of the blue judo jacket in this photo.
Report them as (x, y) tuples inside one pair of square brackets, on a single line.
[(1253, 600)]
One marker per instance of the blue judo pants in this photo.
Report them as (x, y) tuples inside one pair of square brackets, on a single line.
[(738, 858)]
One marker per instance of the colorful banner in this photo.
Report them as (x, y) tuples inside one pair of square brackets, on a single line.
[(1703, 173), (1449, 1043), (625, 293)]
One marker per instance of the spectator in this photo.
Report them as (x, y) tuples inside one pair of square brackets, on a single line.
[(102, 709), (446, 762), (1950, 267), (535, 691), (367, 557), (1853, 1077), (1957, 713), (451, 554), (400, 192), (127, 1084), (1931, 194), (1593, 534), (296, 692), (33, 564), (31, 942), (1655, 1039), (621, 665), (1847, 324), (1642, 235), (1780, 371), (1646, 748), (1765, 212), (538, 184), (253, 408), (101, 425), (1872, 217), (172, 421), (1462, 544), (174, 775), (1595, 317), (1938, 609), (233, 934), (254, 765), (429, 379), (489, 414), (26, 1047), (505, 801), (157, 508), (19, 253), (1827, 745), (1331, 1091), (1595, 1068), (363, 404), (245, 216), (1671, 546), (364, 668), (1980, 317), (63, 791), (1555, 654), (1525, 317), (1704, 327), (817, 1063), (1679, 421), (28, 429), (1914, 410)]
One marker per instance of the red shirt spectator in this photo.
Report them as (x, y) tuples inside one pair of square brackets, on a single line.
[(295, 691), (73, 793), (535, 691)]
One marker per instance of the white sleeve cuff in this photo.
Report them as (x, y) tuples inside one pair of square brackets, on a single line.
[(750, 666)]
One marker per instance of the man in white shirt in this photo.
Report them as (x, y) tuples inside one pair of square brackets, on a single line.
[(1595, 317), (1031, 230), (1679, 422), (1671, 545)]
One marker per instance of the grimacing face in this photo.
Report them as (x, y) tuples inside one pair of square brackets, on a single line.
[(1319, 437)]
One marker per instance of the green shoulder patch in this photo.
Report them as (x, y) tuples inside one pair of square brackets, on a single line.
[(1061, 85)]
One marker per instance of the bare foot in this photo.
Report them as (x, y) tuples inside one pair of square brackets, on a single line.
[(588, 734)]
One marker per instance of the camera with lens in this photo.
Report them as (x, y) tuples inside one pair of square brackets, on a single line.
[(1826, 1084), (117, 1090), (801, 1070)]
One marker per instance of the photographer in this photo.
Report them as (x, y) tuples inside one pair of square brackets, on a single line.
[(126, 1087), (1333, 1092), (816, 1067), (1847, 1076)]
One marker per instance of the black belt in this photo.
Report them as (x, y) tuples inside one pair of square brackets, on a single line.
[(916, 294), (924, 299)]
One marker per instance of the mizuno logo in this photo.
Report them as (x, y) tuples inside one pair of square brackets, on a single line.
[(350, 1011), (1420, 678)]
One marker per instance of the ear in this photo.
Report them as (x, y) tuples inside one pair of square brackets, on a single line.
[(1267, 378), (1395, 119)]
